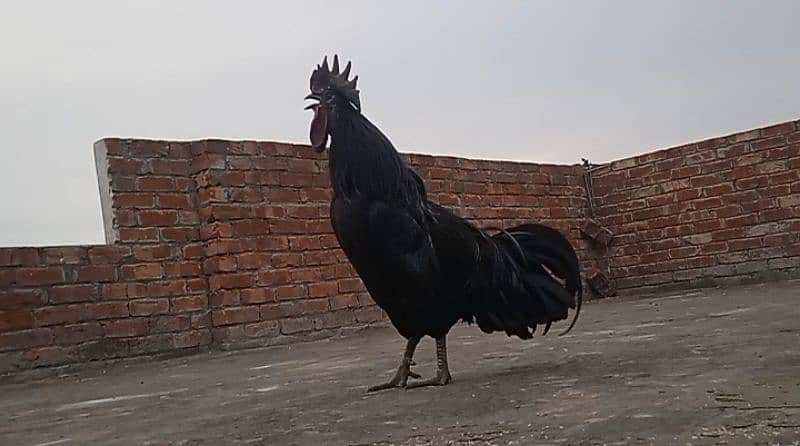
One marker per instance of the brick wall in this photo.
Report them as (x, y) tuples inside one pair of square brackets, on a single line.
[(720, 211), (228, 244), (274, 268)]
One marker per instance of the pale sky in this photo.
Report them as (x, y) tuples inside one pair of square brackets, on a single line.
[(542, 81)]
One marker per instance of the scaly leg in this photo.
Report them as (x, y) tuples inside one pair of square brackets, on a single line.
[(404, 371), (442, 370)]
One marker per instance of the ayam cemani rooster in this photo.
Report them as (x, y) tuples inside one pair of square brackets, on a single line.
[(425, 266)]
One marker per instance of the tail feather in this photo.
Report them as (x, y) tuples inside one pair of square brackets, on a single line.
[(529, 275)]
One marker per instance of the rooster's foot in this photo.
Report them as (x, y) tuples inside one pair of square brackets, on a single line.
[(441, 379), (400, 379), (404, 371)]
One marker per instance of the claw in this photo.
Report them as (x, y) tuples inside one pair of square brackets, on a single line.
[(400, 379), (438, 380)]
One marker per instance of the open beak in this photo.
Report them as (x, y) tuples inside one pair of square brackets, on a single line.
[(314, 97)]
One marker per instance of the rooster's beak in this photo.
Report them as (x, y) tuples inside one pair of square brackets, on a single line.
[(314, 97)]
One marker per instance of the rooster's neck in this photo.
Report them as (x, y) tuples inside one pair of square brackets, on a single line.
[(363, 163)]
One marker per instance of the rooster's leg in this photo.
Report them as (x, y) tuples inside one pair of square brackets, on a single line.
[(442, 370), (404, 371)]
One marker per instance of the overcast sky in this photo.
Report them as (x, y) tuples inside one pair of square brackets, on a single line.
[(544, 81)]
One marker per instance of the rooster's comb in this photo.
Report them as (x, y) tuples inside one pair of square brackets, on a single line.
[(325, 77)]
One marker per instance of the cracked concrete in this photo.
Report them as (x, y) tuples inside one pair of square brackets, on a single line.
[(706, 367)]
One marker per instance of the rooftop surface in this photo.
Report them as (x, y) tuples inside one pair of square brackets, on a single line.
[(710, 367)]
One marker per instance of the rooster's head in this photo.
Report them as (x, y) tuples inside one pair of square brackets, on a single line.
[(334, 93)]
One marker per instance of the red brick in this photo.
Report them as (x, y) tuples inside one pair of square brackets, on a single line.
[(287, 292), (297, 325), (224, 298), (125, 218), (225, 212), (286, 259), (194, 251), (271, 312), (705, 180), (194, 338), (286, 226), (183, 269), (369, 314), (779, 239), (187, 303), (234, 315), (758, 205), (274, 277), (149, 307), (196, 285), (257, 295), (246, 195), (728, 234), (155, 183), (71, 293), (173, 201), (114, 291), (15, 320), (743, 244), (39, 276), (179, 234), (96, 273), (133, 200), (25, 339), (123, 328), (784, 152), (142, 271), (64, 255), (314, 306), (108, 254), (166, 288), (350, 285), (305, 275), (742, 220), (687, 194), (158, 217), (148, 148), (108, 310), (323, 289), (77, 333), (60, 314), (212, 195), (167, 324), (343, 301), (768, 215), (262, 329), (18, 299), (707, 203), (312, 258), (252, 260), (138, 234), (117, 165), (170, 167), (50, 355), (219, 264), (231, 281), (713, 248), (778, 129), (152, 252)]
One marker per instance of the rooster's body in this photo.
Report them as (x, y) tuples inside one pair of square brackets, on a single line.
[(425, 266)]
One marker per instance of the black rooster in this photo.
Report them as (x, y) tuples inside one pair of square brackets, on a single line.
[(426, 267)]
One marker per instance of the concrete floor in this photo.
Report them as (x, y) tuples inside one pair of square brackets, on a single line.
[(710, 367)]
